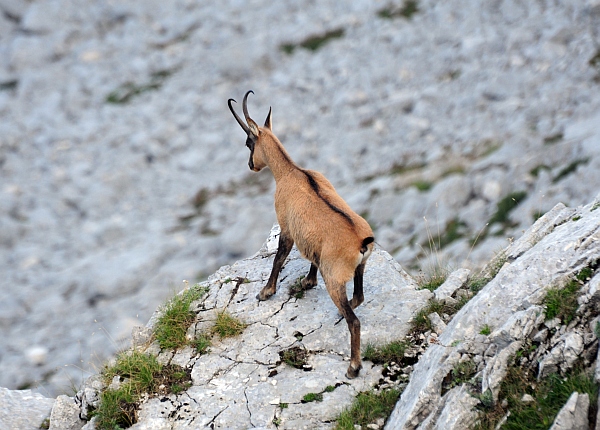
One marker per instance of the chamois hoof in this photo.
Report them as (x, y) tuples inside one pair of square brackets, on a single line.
[(307, 284), (262, 296), (352, 373)]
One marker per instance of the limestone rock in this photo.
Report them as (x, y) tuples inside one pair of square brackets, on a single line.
[(454, 281), (23, 409), (511, 302), (65, 414), (235, 384), (574, 414)]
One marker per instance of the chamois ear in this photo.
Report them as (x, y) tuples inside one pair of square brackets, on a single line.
[(269, 120), (253, 127)]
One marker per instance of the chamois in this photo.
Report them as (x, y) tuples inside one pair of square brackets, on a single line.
[(312, 215)]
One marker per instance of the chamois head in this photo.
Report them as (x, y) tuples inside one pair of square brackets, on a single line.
[(254, 133)]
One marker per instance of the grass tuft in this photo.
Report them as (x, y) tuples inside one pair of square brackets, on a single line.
[(505, 206), (463, 372), (313, 43), (422, 185), (432, 280), (227, 325), (562, 302), (549, 394), (572, 167), (295, 357), (312, 397), (407, 10), (171, 328), (201, 344), (128, 90), (393, 351), (367, 408), (138, 374), (485, 330)]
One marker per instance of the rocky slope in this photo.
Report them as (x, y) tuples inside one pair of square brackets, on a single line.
[(122, 171), (511, 327)]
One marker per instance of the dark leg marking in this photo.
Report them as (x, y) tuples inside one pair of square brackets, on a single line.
[(358, 297), (283, 250), (339, 297), (311, 279)]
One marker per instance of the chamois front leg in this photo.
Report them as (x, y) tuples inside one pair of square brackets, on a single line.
[(358, 297), (337, 292), (283, 250), (310, 280)]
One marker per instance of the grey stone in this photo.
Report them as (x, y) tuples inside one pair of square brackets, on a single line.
[(516, 311), (241, 381), (438, 324), (65, 414), (23, 409), (454, 281), (565, 352), (574, 414), (89, 207)]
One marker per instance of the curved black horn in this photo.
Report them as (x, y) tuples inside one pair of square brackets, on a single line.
[(245, 106), (239, 120)]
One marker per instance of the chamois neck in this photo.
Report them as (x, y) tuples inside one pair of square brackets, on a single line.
[(277, 158)]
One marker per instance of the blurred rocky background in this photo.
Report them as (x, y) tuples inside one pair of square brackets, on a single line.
[(450, 126)]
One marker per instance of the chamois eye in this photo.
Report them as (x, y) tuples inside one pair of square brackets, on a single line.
[(249, 143)]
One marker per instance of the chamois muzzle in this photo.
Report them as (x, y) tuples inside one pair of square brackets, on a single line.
[(251, 129)]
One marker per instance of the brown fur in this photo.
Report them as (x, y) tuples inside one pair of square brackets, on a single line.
[(312, 215)]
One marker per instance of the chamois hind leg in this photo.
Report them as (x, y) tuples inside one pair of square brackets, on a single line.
[(310, 280), (358, 297), (337, 291), (283, 250)]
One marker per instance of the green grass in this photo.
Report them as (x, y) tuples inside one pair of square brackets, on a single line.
[(485, 330), (171, 328), (407, 10), (125, 92), (431, 281), (315, 42), (227, 325), (505, 206), (462, 373), (367, 408), (393, 351), (596, 206), (476, 283), (549, 394), (537, 169), (139, 373), (201, 343), (421, 322), (455, 229), (562, 302), (570, 168), (422, 185), (296, 288), (312, 397)]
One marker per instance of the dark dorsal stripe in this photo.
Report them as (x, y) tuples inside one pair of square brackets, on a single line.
[(315, 186), (366, 242)]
